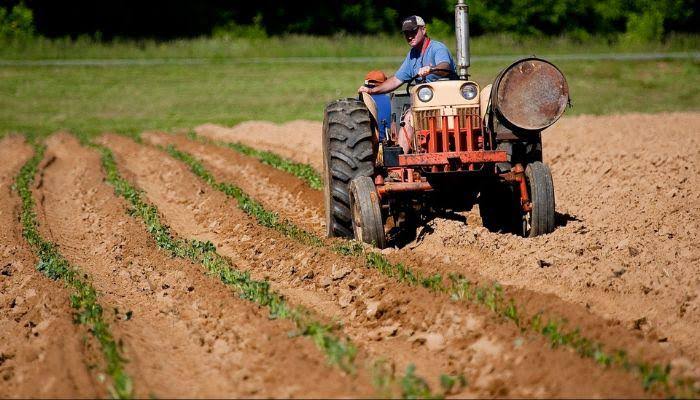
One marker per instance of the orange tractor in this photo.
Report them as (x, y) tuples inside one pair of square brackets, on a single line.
[(471, 145)]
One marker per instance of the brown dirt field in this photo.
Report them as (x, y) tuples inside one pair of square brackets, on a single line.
[(629, 207), (387, 319), (41, 351), (189, 336)]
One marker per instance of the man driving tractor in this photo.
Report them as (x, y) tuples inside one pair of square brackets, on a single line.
[(428, 59)]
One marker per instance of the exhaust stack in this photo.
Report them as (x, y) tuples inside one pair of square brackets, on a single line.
[(462, 33)]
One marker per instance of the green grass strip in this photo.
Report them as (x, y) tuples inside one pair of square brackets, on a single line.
[(305, 172), (84, 296), (653, 376)]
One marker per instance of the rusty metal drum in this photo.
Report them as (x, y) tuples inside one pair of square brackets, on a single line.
[(531, 94)]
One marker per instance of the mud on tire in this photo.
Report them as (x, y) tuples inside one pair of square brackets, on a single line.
[(347, 154)]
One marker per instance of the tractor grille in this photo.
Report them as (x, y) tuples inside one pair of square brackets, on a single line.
[(422, 117), (464, 112)]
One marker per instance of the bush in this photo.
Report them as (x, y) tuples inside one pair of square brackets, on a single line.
[(645, 27), (17, 24), (233, 30)]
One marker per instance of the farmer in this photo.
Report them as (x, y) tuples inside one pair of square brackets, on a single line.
[(425, 57)]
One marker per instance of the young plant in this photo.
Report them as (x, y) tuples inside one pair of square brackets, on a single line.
[(84, 296)]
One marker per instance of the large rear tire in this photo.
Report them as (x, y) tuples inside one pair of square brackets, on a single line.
[(367, 221), (347, 154), (540, 220)]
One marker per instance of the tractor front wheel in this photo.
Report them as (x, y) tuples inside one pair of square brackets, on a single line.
[(540, 219), (367, 221)]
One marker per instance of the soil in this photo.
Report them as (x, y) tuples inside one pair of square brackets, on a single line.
[(184, 333), (41, 351), (388, 319), (628, 210), (622, 266)]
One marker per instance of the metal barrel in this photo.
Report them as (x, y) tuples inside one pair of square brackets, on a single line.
[(530, 94), (462, 33)]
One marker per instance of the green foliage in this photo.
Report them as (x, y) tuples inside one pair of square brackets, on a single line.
[(414, 387), (459, 288), (646, 20), (247, 204), (451, 382), (17, 24), (339, 351), (84, 296), (233, 30)]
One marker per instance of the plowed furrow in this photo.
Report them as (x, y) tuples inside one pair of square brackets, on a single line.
[(628, 215), (41, 350), (184, 333), (614, 338), (291, 197), (388, 318)]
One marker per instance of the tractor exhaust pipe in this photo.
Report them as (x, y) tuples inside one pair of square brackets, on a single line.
[(462, 33)]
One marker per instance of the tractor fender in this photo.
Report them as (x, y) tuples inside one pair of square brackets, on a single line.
[(372, 107)]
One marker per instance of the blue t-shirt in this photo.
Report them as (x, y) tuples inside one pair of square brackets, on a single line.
[(435, 54)]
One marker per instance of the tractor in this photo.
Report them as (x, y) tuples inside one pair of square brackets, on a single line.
[(471, 145)]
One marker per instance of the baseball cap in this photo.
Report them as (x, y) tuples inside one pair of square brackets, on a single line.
[(375, 77), (412, 23)]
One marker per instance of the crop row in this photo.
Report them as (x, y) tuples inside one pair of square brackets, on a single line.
[(652, 376), (302, 171), (339, 351), (84, 296)]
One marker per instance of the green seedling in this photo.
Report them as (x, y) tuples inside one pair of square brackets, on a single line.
[(302, 171), (84, 296), (339, 351), (459, 289)]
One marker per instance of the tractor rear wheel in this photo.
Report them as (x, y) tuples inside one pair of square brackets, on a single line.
[(347, 154), (539, 220), (367, 221)]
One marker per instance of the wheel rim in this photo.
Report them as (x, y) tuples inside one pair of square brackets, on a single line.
[(356, 219), (527, 215), (527, 223)]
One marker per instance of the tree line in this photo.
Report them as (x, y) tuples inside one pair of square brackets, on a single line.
[(646, 19)]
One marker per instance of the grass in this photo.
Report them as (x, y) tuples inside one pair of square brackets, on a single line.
[(133, 98), (652, 376), (84, 296), (339, 351), (341, 45)]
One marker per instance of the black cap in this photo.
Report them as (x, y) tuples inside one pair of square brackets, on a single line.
[(412, 23)]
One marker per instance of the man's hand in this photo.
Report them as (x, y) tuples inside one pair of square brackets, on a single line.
[(364, 89), (424, 71)]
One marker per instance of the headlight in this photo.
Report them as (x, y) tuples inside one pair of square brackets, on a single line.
[(469, 91), (425, 94)]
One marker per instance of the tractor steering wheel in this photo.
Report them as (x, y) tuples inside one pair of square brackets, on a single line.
[(410, 81)]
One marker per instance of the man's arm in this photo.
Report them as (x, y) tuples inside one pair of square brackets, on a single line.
[(425, 71), (387, 86)]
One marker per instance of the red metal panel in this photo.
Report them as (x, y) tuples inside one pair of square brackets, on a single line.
[(432, 138), (458, 135), (445, 135), (465, 157)]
